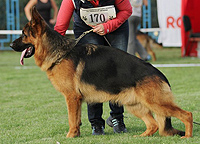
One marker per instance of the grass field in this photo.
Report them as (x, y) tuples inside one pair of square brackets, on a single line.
[(33, 112)]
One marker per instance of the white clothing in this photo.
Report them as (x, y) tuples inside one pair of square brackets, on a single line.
[(136, 7)]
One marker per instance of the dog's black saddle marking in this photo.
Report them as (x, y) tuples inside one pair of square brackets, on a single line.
[(111, 70)]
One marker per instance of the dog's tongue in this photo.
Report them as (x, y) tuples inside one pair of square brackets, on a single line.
[(22, 57)]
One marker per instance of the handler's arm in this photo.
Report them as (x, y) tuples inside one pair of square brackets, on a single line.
[(125, 10), (64, 16)]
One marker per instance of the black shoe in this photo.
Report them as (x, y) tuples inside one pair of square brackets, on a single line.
[(98, 130), (117, 124)]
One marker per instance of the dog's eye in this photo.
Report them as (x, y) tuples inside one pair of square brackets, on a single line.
[(23, 34)]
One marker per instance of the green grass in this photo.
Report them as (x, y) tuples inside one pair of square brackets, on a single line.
[(32, 111)]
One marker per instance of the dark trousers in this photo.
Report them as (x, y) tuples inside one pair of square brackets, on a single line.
[(95, 112)]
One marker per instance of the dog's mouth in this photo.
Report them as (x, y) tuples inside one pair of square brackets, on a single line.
[(27, 53)]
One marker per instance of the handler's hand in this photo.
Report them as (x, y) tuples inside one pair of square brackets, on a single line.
[(99, 29), (52, 21)]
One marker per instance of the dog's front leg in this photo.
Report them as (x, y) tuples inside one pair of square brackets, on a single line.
[(74, 114)]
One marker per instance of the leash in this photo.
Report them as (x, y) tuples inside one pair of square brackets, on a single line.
[(82, 35), (107, 41), (77, 40), (196, 123), (86, 32)]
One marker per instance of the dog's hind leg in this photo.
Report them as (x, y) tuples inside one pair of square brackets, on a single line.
[(165, 127), (162, 105), (160, 101), (175, 111), (145, 114), (74, 114)]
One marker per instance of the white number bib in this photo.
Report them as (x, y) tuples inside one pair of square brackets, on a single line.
[(94, 16)]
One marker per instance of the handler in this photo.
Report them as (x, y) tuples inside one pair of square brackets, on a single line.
[(108, 18)]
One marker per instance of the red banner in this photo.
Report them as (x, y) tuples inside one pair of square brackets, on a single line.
[(190, 8)]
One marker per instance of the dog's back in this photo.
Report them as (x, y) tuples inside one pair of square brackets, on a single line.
[(112, 70)]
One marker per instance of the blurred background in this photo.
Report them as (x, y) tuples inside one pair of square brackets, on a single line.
[(172, 23), (16, 8), (23, 19)]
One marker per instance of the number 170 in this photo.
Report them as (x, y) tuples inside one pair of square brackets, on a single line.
[(97, 18)]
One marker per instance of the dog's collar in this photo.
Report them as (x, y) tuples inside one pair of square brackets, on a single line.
[(64, 56), (58, 61), (55, 63)]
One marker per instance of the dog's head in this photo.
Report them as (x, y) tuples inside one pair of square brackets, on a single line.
[(31, 34)]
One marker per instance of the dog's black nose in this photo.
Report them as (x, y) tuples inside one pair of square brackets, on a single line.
[(11, 45)]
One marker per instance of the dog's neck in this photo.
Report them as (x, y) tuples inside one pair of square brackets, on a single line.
[(54, 56), (58, 60)]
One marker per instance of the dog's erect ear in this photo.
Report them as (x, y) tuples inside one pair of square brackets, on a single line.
[(37, 22), (35, 16)]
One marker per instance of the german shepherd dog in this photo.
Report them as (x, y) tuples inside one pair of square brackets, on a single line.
[(148, 43), (96, 74)]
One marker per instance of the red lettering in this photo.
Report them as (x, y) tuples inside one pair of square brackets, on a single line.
[(170, 21), (178, 22), (173, 23)]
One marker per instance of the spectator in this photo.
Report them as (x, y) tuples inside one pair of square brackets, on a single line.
[(114, 28), (44, 8), (134, 20)]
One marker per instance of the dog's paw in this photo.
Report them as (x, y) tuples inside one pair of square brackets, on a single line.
[(73, 134), (136, 136), (186, 137)]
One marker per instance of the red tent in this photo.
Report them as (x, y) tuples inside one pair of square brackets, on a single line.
[(190, 8)]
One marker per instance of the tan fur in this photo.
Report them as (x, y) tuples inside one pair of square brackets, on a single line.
[(62, 77)]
